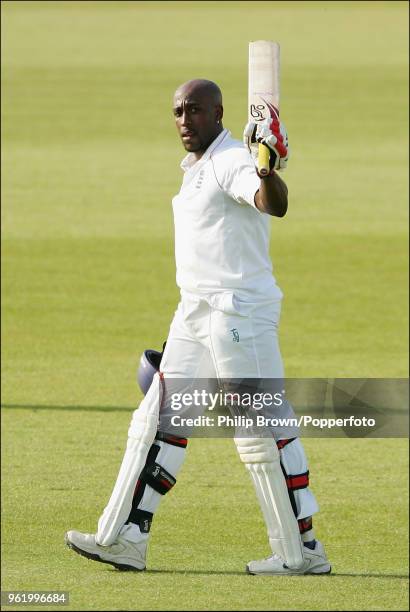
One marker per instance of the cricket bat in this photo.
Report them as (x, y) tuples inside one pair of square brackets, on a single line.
[(263, 91)]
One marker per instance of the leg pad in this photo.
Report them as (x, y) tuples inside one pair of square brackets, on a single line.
[(261, 457)]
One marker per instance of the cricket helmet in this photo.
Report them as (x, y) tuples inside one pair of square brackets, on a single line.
[(149, 364)]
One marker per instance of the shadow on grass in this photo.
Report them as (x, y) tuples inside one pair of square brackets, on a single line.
[(69, 408), (358, 575), (233, 573)]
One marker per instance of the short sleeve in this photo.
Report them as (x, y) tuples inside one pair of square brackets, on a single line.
[(236, 175)]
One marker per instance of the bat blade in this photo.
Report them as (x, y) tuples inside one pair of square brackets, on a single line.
[(263, 89)]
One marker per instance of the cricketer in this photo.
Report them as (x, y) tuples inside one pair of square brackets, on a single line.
[(225, 327)]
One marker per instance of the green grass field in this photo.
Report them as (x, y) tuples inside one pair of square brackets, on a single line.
[(90, 161)]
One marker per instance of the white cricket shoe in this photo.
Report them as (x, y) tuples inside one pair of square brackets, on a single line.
[(316, 562), (124, 554)]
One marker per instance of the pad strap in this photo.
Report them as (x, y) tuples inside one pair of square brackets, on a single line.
[(305, 524), (141, 518), (173, 440), (158, 478), (297, 481), (281, 443)]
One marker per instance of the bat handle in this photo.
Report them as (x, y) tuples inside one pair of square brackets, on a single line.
[(263, 160)]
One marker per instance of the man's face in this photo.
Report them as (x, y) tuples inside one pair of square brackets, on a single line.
[(197, 120)]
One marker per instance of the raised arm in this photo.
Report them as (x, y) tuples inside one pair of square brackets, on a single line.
[(272, 197)]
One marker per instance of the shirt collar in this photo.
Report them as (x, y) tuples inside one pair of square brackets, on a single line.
[(189, 160)]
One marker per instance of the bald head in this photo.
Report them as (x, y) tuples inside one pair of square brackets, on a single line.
[(198, 114), (202, 88)]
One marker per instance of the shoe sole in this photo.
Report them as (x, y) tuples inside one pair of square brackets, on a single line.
[(122, 567), (248, 571)]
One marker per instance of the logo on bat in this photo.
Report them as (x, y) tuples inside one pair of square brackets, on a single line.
[(257, 111)]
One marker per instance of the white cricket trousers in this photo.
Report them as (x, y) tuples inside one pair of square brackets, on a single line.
[(223, 338)]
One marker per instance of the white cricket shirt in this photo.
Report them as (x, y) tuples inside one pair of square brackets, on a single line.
[(221, 238)]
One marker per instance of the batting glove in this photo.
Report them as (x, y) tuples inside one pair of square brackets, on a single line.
[(272, 133)]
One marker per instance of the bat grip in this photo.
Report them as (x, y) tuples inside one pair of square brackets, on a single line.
[(263, 160)]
